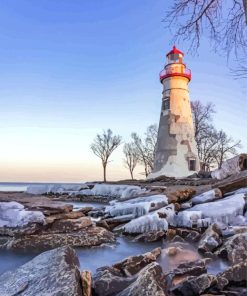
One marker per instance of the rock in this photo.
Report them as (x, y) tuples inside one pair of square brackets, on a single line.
[(86, 280), (207, 196), (85, 210), (187, 234), (211, 239), (150, 282), (69, 225), (134, 264), (194, 285), (70, 215), (152, 236), (86, 237), (171, 233), (180, 196), (194, 268), (110, 281), (234, 275), (55, 272), (234, 248), (172, 251), (103, 223)]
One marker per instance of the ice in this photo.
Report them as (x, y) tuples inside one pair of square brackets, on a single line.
[(204, 197), (241, 190), (54, 188), (187, 218), (239, 221), (13, 214), (117, 191), (137, 206), (147, 223), (224, 210)]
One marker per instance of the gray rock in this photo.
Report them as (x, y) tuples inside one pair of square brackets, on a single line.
[(109, 281), (211, 239), (150, 236), (234, 248), (234, 275), (53, 273), (150, 282), (194, 286), (134, 264), (86, 237), (194, 268)]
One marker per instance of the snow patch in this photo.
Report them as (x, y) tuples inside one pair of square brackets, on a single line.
[(13, 214)]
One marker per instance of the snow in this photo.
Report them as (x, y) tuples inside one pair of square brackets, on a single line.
[(13, 214), (54, 188), (224, 210), (205, 197), (147, 223), (117, 191), (137, 206)]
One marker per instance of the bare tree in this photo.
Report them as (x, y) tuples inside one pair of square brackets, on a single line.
[(103, 146), (224, 21), (131, 157), (225, 147), (213, 146), (146, 147)]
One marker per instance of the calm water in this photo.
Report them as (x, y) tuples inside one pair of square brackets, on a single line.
[(90, 258)]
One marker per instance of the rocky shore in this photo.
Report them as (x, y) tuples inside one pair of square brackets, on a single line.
[(212, 218)]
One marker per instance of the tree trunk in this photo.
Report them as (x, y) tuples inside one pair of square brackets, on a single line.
[(131, 174), (104, 169), (245, 10)]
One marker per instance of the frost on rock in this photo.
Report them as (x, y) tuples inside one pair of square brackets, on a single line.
[(54, 188), (118, 191), (13, 214), (137, 207), (207, 196), (224, 210), (147, 223)]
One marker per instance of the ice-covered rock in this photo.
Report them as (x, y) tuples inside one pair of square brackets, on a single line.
[(207, 196), (224, 210), (240, 190), (13, 214), (146, 223), (239, 221), (137, 207), (54, 188), (117, 191)]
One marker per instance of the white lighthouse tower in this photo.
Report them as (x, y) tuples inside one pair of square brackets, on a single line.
[(176, 153)]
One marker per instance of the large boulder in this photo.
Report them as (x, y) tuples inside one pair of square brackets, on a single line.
[(85, 237), (109, 281), (211, 239), (234, 248), (234, 275), (150, 282), (194, 285), (54, 272), (134, 264)]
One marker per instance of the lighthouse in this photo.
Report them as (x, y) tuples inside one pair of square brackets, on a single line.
[(176, 152)]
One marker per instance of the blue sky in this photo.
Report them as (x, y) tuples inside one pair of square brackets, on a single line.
[(72, 68)]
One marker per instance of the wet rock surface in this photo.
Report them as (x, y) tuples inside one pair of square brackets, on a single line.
[(54, 272)]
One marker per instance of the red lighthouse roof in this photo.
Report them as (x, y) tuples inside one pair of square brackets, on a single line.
[(175, 50)]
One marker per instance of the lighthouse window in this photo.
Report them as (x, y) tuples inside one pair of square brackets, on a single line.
[(166, 104), (192, 164)]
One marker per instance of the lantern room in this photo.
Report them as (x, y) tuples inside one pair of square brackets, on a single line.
[(175, 66), (175, 56)]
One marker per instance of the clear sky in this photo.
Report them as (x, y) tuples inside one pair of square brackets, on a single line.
[(69, 69)]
